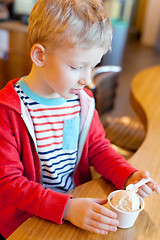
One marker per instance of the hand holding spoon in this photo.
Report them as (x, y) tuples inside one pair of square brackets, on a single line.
[(134, 187)]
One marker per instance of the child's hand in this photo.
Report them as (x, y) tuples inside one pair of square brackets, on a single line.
[(88, 214), (146, 189)]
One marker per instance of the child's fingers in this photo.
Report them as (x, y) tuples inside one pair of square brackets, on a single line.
[(99, 218), (148, 189), (145, 190), (101, 226), (103, 219), (95, 230), (156, 187), (142, 193), (104, 211)]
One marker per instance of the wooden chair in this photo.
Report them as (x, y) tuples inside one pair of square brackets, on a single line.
[(125, 133)]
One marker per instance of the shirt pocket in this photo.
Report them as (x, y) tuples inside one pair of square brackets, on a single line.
[(71, 134)]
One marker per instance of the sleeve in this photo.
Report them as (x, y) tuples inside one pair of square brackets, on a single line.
[(111, 165), (16, 188)]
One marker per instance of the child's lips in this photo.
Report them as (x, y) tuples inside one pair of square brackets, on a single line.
[(75, 91)]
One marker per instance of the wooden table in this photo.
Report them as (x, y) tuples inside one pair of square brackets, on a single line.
[(146, 99)]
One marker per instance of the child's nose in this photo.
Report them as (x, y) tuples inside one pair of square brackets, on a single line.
[(85, 79)]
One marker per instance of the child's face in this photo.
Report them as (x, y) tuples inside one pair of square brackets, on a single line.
[(67, 71)]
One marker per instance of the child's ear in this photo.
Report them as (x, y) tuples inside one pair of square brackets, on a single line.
[(38, 55)]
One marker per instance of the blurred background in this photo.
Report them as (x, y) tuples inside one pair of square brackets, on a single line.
[(135, 46)]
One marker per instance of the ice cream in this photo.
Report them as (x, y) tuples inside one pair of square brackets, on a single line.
[(127, 201), (127, 205)]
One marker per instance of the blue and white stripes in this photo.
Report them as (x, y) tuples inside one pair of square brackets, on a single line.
[(56, 126)]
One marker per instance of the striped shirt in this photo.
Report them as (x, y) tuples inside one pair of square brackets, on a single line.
[(56, 125)]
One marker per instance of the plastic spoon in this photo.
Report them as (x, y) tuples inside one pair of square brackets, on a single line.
[(134, 187)]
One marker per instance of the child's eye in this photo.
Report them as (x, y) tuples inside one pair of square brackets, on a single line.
[(75, 68)]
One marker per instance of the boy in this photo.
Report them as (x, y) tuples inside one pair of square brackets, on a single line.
[(50, 132)]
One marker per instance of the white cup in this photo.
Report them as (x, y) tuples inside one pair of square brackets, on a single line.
[(126, 219)]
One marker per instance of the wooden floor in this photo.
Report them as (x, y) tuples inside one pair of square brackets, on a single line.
[(136, 58)]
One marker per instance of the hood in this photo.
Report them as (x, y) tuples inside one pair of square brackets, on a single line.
[(9, 97)]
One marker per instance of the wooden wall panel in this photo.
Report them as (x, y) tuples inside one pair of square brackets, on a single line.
[(18, 63), (151, 23)]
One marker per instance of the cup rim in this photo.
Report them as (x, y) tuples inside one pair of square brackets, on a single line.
[(132, 212)]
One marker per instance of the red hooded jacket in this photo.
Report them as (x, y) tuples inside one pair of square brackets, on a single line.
[(21, 192)]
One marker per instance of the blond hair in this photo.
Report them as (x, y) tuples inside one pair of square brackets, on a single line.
[(69, 23)]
